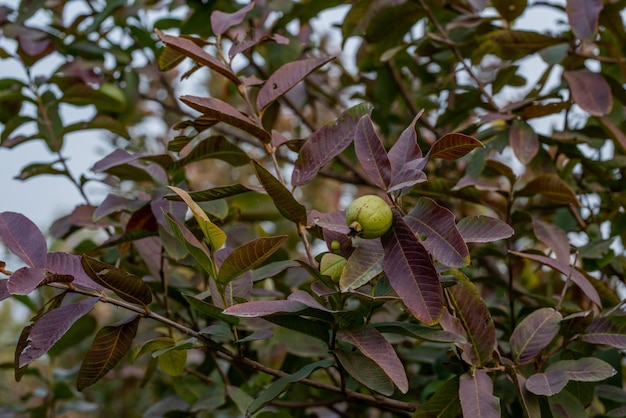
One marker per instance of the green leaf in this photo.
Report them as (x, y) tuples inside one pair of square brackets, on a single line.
[(287, 205), (127, 286), (173, 362), (109, 346), (191, 243), (281, 384), (248, 256), (443, 404), (150, 346), (210, 310), (216, 147), (213, 234), (214, 193), (332, 265)]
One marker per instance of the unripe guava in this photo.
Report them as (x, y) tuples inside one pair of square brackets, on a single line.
[(369, 217)]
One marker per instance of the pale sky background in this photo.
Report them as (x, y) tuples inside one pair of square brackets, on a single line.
[(45, 198)]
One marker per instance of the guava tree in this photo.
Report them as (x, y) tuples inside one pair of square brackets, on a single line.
[(311, 233)]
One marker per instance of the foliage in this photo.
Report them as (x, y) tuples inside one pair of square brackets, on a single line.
[(224, 280)]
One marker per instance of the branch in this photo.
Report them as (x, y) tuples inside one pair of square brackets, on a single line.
[(352, 396)]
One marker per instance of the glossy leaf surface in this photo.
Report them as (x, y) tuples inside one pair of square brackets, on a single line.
[(248, 256)]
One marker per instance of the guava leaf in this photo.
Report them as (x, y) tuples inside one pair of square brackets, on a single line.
[(248, 256), (366, 371), (483, 229), (222, 21), (214, 193), (607, 330), (223, 112), (405, 149), (371, 153), (280, 384), (107, 349), (364, 264), (285, 78), (534, 333), (326, 143), (453, 146), (127, 286), (444, 403), (590, 91), (193, 246), (548, 383), (374, 346), (574, 275), (258, 308), (23, 238), (217, 147), (476, 395), (586, 369), (554, 237), (583, 17), (286, 204), (411, 272), (523, 140), (442, 238), (472, 312), (214, 235), (50, 327), (192, 50)]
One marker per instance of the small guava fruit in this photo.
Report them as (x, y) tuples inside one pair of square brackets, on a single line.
[(369, 217)]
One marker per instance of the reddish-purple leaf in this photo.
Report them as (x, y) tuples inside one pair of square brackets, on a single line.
[(257, 37), (607, 330), (4, 291), (484, 229), (285, 78), (617, 134), (107, 349), (583, 17), (365, 371), (221, 21), (411, 272), (64, 263), (191, 49), (23, 238), (548, 383), (364, 264), (193, 246), (436, 227), (534, 333), (114, 203), (127, 286), (26, 279), (590, 91), (405, 149), (50, 327), (574, 275), (116, 158), (248, 256), (453, 146), (286, 204), (307, 300), (472, 311), (374, 346), (325, 144), (409, 175), (586, 369), (371, 153), (523, 140), (552, 187), (554, 237), (258, 308), (223, 112), (476, 395)]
